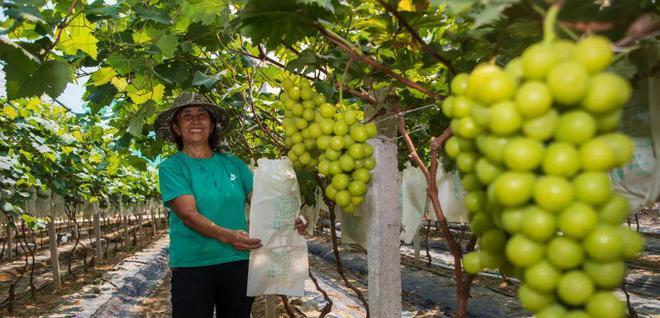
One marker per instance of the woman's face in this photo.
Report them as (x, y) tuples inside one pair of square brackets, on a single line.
[(194, 125)]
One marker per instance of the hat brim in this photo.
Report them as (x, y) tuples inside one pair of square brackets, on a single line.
[(162, 122)]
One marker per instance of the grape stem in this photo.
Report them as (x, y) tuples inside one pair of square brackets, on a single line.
[(549, 23)]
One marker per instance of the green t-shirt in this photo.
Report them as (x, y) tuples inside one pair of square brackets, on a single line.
[(220, 185)]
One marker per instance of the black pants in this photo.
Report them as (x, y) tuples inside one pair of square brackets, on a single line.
[(196, 290)]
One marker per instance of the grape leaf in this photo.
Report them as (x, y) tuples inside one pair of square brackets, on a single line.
[(201, 79), (624, 68), (18, 66), (455, 6), (167, 44), (492, 12), (306, 62), (406, 5), (144, 35), (10, 111), (120, 83), (137, 120), (103, 76), (78, 36), (273, 22), (50, 78), (204, 11), (153, 14), (27, 13), (325, 4)]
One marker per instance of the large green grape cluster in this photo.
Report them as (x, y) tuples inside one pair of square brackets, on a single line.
[(329, 138), (534, 143)]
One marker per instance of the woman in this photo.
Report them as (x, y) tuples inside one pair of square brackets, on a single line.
[(206, 190)]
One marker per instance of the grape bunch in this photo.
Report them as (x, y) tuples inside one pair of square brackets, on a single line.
[(534, 143), (329, 138)]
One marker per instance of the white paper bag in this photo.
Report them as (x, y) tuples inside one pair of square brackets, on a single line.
[(413, 201), (639, 180), (451, 194), (280, 266)]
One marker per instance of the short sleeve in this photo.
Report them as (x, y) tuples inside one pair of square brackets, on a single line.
[(173, 182), (246, 175)]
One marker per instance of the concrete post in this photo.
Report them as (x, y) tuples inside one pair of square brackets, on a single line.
[(140, 229), (97, 232), (10, 240), (383, 257), (416, 244), (271, 306), (125, 220), (54, 253)]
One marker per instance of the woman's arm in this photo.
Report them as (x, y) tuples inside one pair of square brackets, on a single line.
[(186, 209)]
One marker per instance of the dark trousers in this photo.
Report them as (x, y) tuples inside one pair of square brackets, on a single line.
[(197, 290)]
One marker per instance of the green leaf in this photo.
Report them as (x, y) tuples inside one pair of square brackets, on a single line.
[(177, 72), (103, 10), (78, 36), (624, 68), (306, 58), (492, 12), (204, 11), (201, 79), (145, 35), (103, 76), (325, 4), (120, 63), (153, 14), (26, 13), (50, 78), (273, 22), (137, 120), (455, 6), (167, 44)]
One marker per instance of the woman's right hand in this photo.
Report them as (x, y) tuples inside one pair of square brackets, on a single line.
[(240, 240)]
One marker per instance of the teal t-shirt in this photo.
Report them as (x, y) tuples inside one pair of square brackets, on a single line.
[(220, 185)]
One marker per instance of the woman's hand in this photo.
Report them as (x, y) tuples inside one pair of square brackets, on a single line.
[(300, 225), (241, 241)]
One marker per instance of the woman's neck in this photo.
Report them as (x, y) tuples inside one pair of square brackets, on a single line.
[(198, 151)]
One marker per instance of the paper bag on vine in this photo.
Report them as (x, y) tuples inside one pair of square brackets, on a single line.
[(281, 265), (413, 201)]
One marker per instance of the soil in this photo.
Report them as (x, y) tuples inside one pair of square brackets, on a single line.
[(25, 306)]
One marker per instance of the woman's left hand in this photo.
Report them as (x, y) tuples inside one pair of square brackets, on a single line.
[(300, 226)]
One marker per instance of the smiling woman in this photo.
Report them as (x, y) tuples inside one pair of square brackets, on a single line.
[(205, 191)]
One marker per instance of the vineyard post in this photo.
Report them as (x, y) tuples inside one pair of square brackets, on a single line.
[(154, 226), (54, 253), (383, 256), (97, 230), (10, 234), (416, 244), (271, 308), (124, 218)]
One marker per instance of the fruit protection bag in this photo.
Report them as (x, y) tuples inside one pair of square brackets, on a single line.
[(451, 195), (639, 180), (280, 266), (413, 202)]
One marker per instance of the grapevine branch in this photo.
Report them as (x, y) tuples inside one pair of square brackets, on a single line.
[(285, 302), (333, 235), (61, 28), (462, 283), (262, 56), (265, 129), (356, 54), (645, 26), (416, 36), (328, 306)]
